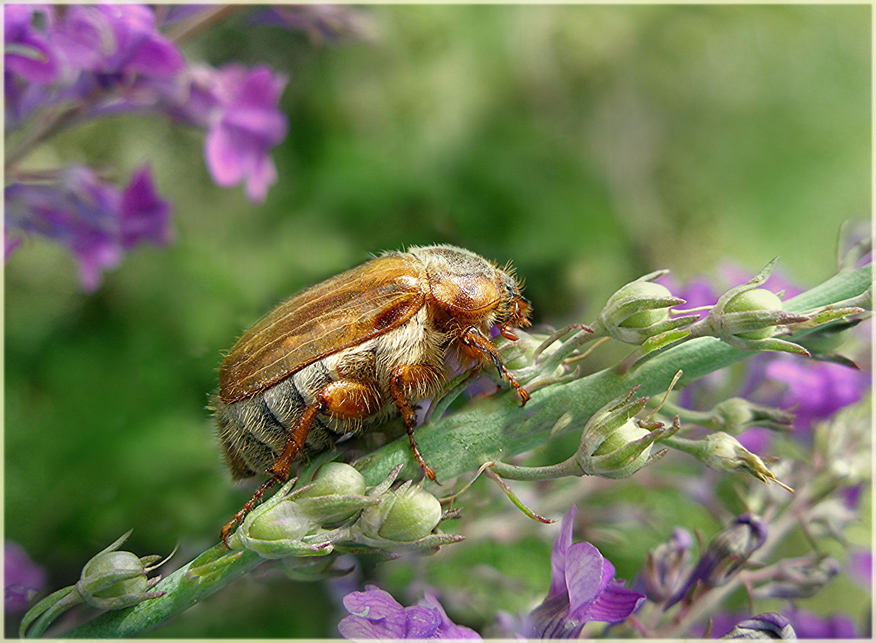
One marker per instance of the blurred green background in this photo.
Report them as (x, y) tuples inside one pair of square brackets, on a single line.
[(587, 144)]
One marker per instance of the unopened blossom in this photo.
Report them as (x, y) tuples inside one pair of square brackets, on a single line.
[(725, 555), (374, 613), (583, 589)]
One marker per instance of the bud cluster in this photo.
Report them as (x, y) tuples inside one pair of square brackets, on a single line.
[(338, 513)]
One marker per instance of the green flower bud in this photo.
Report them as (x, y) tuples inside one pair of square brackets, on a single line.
[(722, 452), (736, 415), (613, 443), (628, 432), (122, 563), (116, 579), (753, 300), (639, 311), (650, 316), (284, 521), (414, 514), (336, 479)]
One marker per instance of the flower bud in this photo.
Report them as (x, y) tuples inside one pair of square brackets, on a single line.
[(648, 316), (116, 579), (799, 577), (722, 452), (613, 443), (665, 565), (411, 514), (336, 478), (336, 494), (639, 310), (757, 299), (725, 555), (284, 520), (736, 415)]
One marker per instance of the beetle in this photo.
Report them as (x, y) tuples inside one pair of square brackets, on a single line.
[(345, 354)]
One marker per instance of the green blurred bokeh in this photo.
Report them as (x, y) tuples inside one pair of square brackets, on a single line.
[(587, 144)]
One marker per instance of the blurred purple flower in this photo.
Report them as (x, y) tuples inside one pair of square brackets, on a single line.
[(247, 127), (813, 626), (374, 613), (321, 22), (28, 52), (23, 578), (861, 567), (583, 589), (816, 389), (725, 555), (93, 219), (116, 39)]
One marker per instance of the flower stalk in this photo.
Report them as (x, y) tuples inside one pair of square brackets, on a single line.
[(493, 429)]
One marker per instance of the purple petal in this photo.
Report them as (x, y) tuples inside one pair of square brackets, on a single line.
[(561, 547), (615, 603), (813, 626), (238, 144), (587, 573), (448, 629), (144, 216), (27, 52), (819, 389), (376, 614)]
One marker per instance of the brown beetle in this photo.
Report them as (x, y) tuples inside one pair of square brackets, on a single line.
[(342, 355)]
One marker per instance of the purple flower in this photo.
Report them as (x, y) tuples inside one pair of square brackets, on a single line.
[(374, 613), (94, 220), (321, 22), (816, 389), (245, 129), (861, 567), (116, 39), (725, 555), (812, 626), (583, 589), (23, 578), (28, 52)]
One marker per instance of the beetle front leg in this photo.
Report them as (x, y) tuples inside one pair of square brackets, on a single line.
[(478, 345), (412, 377)]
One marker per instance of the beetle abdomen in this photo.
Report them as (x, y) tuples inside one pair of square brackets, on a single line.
[(253, 431)]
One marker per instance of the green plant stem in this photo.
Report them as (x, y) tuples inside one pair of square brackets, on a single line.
[(488, 430)]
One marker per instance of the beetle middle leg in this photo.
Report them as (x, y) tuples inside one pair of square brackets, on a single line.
[(478, 345), (341, 399), (407, 378)]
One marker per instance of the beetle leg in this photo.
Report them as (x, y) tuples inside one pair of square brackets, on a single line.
[(279, 471), (479, 345), (405, 378), (343, 399)]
